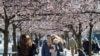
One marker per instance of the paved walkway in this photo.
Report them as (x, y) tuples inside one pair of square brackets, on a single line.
[(68, 53)]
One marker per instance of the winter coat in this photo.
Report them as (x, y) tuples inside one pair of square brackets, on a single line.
[(59, 49), (53, 50), (86, 47), (45, 50), (81, 53), (32, 51), (72, 43)]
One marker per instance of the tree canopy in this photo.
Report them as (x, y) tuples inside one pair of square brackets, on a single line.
[(51, 16)]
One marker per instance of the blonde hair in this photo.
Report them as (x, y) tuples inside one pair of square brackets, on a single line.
[(59, 39)]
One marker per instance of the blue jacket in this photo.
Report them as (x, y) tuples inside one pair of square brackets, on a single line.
[(45, 50)]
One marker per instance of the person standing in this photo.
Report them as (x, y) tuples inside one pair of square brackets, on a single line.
[(58, 43), (46, 47), (86, 46), (72, 45), (25, 46)]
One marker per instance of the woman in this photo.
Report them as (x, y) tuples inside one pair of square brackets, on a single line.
[(58, 42), (25, 46)]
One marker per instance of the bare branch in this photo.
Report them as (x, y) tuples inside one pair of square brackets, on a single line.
[(20, 20), (5, 13), (72, 29), (2, 16), (2, 30), (92, 12), (48, 14), (11, 17)]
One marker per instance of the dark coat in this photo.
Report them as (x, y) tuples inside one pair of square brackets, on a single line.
[(60, 49), (81, 53), (95, 48), (32, 50), (86, 47), (45, 50)]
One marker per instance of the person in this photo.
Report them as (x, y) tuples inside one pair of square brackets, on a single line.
[(25, 46), (95, 47), (81, 52), (72, 45), (53, 50), (58, 42), (36, 41), (46, 51), (86, 46)]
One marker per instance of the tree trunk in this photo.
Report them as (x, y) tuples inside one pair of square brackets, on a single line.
[(79, 42), (39, 37), (35, 35), (66, 39), (90, 44), (14, 48), (6, 34), (20, 30), (78, 38)]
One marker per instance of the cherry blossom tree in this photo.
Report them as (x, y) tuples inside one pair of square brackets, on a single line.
[(54, 16)]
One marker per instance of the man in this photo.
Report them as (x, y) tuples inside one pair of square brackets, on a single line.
[(72, 45), (46, 47)]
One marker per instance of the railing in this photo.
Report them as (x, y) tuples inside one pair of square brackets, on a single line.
[(9, 53)]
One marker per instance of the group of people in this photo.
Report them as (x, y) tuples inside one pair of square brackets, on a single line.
[(94, 44), (52, 46), (86, 46)]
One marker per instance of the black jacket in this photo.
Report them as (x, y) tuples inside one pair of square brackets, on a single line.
[(32, 51)]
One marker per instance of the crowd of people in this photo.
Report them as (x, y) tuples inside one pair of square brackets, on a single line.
[(52, 46)]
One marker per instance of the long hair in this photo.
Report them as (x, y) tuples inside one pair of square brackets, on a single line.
[(25, 43), (59, 39)]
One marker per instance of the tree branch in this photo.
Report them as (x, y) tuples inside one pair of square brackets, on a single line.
[(48, 14), (5, 13), (93, 12), (11, 17), (2, 16), (71, 28), (2, 30), (19, 20)]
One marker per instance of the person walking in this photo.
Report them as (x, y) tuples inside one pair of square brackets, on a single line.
[(58, 43), (72, 45), (25, 46), (86, 46), (46, 47)]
